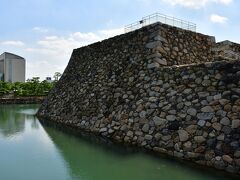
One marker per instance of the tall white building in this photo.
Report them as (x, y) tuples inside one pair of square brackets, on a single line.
[(12, 68)]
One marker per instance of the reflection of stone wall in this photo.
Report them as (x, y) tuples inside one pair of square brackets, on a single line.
[(122, 89)]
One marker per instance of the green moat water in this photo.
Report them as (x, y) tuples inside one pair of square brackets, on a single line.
[(30, 151)]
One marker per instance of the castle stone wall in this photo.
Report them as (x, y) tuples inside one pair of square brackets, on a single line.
[(129, 90), (227, 50)]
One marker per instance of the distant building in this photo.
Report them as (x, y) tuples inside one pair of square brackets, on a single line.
[(12, 68), (49, 79)]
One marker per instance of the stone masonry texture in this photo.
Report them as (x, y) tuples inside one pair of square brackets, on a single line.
[(161, 88), (227, 50)]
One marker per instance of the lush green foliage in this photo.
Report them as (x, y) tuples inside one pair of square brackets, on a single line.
[(33, 87)]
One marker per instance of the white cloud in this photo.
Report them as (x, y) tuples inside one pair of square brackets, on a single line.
[(196, 4), (60, 45), (41, 29), (226, 1), (12, 43), (112, 32), (84, 38), (52, 53), (67, 43), (215, 18), (42, 69)]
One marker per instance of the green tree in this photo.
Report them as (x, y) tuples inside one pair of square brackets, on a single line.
[(5, 88), (57, 76), (33, 87)]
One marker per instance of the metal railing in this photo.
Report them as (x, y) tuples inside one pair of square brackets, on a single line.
[(158, 17)]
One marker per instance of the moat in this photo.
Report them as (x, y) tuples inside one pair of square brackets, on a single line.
[(29, 150)]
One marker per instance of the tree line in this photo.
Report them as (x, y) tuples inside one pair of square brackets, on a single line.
[(32, 87)]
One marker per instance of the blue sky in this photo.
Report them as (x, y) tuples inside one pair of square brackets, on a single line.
[(45, 32)]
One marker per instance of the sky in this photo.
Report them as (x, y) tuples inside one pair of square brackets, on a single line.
[(45, 32)]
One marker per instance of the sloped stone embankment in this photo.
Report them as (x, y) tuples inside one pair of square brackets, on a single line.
[(139, 89)]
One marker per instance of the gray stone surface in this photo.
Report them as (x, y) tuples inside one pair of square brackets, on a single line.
[(207, 109), (235, 123), (171, 117), (205, 116), (159, 121), (225, 121), (145, 128), (192, 111), (183, 135)]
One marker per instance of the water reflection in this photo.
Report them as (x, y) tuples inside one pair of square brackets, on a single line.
[(26, 151), (30, 151), (88, 160), (13, 117)]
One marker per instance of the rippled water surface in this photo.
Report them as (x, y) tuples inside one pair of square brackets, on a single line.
[(30, 151)]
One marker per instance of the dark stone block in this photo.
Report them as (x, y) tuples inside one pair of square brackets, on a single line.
[(227, 149), (174, 125), (211, 143), (218, 152), (235, 145), (226, 130)]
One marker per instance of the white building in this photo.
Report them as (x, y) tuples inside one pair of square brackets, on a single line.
[(49, 79), (12, 68)]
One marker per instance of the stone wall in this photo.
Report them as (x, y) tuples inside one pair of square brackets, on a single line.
[(227, 50), (22, 100), (175, 46), (129, 89)]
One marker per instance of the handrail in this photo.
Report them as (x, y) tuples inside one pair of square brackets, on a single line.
[(158, 17)]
